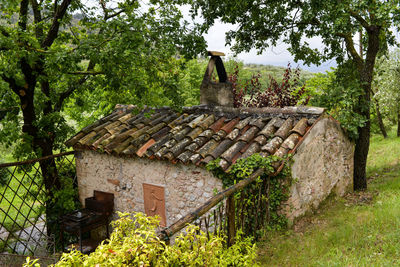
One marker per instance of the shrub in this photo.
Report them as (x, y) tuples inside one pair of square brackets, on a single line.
[(288, 92), (4, 176), (134, 242)]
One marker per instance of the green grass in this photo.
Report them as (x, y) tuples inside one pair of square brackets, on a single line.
[(359, 230), (21, 207)]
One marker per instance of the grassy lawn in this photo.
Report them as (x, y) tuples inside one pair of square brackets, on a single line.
[(22, 206), (361, 229)]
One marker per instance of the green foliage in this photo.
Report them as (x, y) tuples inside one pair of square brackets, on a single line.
[(385, 86), (339, 91), (262, 25), (134, 242), (56, 74), (4, 176), (278, 185)]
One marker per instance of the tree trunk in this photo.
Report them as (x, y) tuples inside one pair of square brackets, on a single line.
[(360, 157), (42, 146), (366, 70), (362, 142), (380, 121), (398, 122)]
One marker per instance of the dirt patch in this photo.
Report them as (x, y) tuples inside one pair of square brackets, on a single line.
[(306, 222), (360, 198)]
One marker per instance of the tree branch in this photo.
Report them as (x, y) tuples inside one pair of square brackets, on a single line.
[(73, 87), (359, 18), (12, 83), (350, 48), (86, 73), (37, 16), (4, 32), (114, 14), (58, 16), (23, 14)]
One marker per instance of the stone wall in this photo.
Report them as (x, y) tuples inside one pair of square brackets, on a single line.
[(186, 186), (323, 165)]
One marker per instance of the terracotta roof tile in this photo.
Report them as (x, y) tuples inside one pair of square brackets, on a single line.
[(272, 145), (234, 134), (231, 152), (252, 149), (144, 148), (284, 130), (185, 156), (249, 134), (199, 134), (218, 124), (195, 132), (291, 141), (261, 140), (300, 127), (227, 128), (207, 148), (207, 122), (221, 148), (258, 122)]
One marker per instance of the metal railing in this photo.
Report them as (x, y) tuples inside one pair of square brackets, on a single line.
[(23, 202)]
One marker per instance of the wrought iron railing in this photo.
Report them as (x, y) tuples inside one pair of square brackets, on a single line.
[(23, 201), (243, 206)]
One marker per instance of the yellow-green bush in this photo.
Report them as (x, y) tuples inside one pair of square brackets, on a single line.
[(134, 242)]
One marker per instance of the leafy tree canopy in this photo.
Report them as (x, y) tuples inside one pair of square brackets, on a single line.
[(261, 24), (59, 57)]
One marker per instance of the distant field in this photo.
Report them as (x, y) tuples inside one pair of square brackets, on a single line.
[(276, 71)]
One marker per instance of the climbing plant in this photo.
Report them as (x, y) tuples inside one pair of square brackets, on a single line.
[(277, 188)]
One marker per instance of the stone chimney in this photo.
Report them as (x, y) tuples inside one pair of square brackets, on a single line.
[(216, 93)]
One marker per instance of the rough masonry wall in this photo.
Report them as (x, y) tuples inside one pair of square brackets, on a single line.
[(323, 164), (186, 186)]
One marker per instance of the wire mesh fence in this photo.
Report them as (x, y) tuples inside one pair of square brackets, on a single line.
[(25, 197)]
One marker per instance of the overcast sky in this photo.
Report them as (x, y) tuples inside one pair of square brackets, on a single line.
[(278, 55)]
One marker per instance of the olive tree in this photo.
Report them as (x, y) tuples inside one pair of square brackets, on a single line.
[(260, 24)]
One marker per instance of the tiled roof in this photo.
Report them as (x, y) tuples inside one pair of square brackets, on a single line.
[(198, 134)]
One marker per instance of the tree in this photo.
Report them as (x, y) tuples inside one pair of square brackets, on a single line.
[(386, 86), (53, 52), (261, 24)]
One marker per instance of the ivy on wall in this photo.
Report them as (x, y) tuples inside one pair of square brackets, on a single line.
[(277, 189)]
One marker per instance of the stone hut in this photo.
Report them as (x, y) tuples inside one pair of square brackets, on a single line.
[(153, 160)]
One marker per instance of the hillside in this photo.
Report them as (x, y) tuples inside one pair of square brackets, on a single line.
[(275, 71), (361, 229)]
